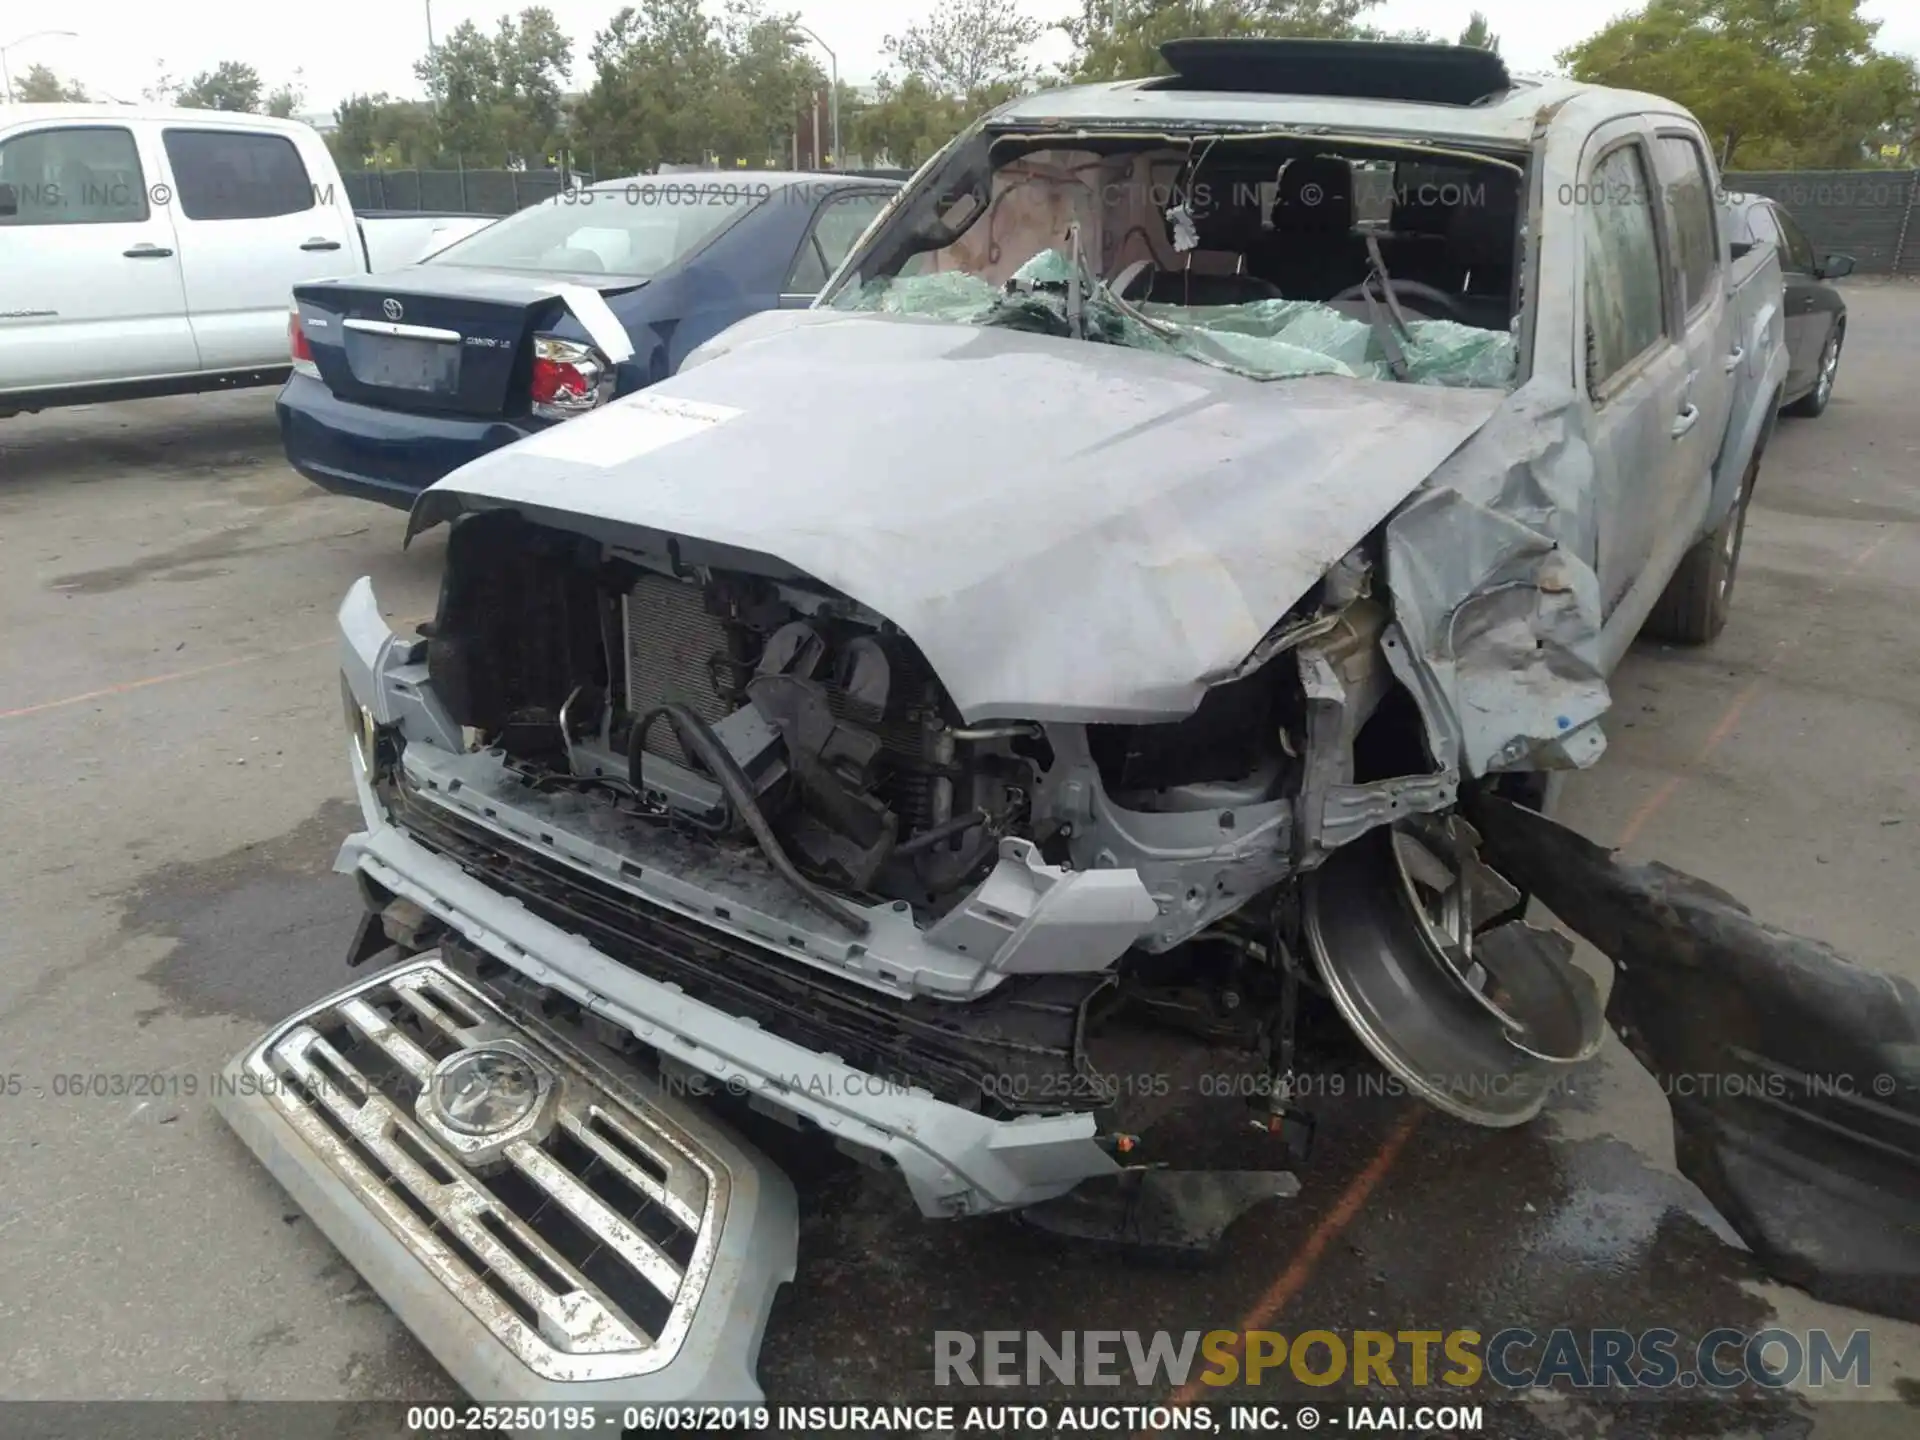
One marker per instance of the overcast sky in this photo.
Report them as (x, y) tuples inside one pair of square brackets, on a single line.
[(344, 46)]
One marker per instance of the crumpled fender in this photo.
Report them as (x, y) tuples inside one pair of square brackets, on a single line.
[(1486, 572), (1793, 1073)]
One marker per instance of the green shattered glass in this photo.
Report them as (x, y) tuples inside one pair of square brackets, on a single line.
[(1265, 339)]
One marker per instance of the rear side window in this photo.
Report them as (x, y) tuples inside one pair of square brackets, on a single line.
[(86, 175), (232, 175), (1690, 203), (1625, 312)]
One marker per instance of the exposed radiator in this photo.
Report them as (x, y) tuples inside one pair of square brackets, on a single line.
[(676, 650)]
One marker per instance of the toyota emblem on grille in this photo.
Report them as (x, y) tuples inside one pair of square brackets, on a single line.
[(391, 309), (487, 1092)]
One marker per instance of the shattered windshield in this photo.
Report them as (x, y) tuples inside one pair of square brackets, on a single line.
[(1274, 263)]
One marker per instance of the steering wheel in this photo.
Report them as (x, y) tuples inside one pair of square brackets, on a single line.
[(1425, 298)]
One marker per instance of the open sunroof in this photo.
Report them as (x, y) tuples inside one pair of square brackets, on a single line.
[(1346, 69)]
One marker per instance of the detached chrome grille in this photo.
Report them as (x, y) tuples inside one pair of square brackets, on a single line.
[(579, 1229)]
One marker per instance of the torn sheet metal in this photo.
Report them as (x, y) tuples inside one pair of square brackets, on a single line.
[(1070, 532), (1485, 572), (1793, 1073)]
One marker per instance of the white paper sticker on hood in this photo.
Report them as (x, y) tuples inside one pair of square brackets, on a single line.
[(625, 429)]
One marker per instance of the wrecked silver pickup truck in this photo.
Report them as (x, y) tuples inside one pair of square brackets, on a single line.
[(1021, 672)]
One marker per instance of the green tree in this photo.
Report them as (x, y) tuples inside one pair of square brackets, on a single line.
[(1119, 39), (658, 67), (966, 47), (499, 95), (287, 98), (165, 90), (230, 85), (379, 130), (40, 86), (766, 79), (1775, 82), (1479, 34), (907, 122)]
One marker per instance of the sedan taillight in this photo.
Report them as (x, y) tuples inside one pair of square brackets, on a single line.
[(298, 347), (568, 378)]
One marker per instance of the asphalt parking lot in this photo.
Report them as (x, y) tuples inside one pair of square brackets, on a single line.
[(176, 788)]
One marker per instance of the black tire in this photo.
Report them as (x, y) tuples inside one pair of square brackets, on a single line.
[(1814, 403), (1693, 609)]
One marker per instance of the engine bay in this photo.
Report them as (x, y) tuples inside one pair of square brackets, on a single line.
[(762, 712), (747, 735)]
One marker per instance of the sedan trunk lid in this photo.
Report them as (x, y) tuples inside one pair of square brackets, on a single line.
[(441, 338)]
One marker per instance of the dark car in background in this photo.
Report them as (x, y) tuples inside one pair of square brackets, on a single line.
[(552, 312), (1816, 312)]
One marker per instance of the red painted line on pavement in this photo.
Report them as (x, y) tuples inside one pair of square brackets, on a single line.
[(130, 685)]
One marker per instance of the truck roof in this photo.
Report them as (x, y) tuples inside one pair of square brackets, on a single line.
[(13, 114), (1505, 119)]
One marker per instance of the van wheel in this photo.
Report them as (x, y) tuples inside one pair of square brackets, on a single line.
[(1693, 609)]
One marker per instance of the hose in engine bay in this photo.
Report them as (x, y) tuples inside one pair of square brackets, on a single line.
[(697, 738)]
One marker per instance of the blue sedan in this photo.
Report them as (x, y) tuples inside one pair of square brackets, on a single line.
[(400, 379)]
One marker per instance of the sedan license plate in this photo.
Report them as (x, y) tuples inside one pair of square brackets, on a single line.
[(402, 363)]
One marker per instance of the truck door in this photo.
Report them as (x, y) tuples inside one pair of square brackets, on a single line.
[(90, 281), (1703, 321), (1634, 375), (252, 225)]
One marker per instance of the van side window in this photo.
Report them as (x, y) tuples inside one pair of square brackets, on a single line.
[(1623, 279), (1690, 203), (86, 175), (233, 175)]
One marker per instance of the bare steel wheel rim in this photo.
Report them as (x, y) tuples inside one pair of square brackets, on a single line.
[(1377, 945), (1436, 866)]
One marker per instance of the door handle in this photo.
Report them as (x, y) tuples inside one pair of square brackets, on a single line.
[(1733, 360), (318, 244), (1686, 421), (146, 251)]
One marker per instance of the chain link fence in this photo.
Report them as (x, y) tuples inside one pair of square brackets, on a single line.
[(1868, 214), (466, 192)]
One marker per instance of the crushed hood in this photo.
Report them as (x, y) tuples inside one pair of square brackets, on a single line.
[(1069, 531)]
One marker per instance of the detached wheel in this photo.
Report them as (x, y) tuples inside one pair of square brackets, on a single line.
[(1814, 402), (1694, 608)]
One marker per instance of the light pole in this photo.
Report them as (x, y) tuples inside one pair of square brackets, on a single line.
[(833, 96), (6, 76), (433, 102)]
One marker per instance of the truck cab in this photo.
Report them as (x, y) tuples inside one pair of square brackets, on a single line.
[(153, 251)]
